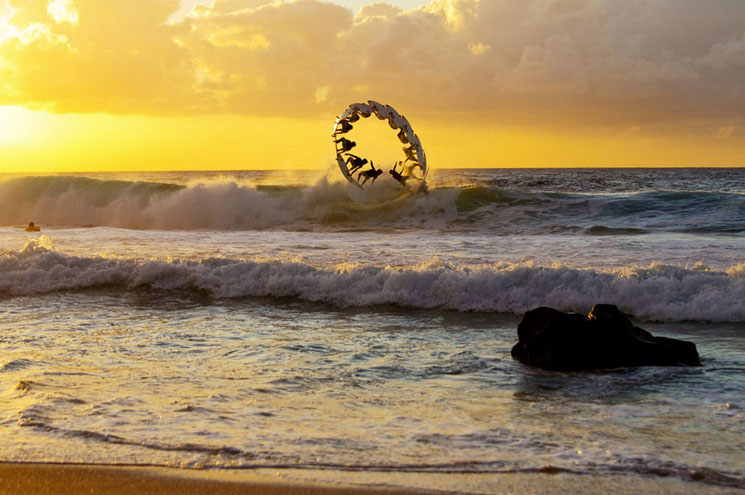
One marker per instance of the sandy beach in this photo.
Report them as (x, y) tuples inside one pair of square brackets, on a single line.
[(74, 479), (64, 479)]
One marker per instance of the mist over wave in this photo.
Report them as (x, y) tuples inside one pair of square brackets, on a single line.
[(656, 292), (230, 205)]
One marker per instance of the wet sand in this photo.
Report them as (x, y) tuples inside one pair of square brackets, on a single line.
[(65, 479), (58, 479)]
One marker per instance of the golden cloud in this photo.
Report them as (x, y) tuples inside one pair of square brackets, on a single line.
[(92, 56), (586, 61)]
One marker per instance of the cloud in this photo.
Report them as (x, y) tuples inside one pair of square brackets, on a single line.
[(590, 62), (478, 48), (92, 56), (383, 10), (725, 132)]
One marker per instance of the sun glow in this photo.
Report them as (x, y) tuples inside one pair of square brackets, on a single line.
[(16, 125), (6, 30), (37, 141), (62, 11)]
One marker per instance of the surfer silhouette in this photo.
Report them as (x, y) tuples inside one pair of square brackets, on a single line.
[(402, 136), (32, 228), (346, 144), (373, 174), (344, 127), (397, 175), (410, 171), (356, 161), (410, 153)]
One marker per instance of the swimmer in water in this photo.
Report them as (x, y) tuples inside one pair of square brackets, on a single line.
[(32, 228)]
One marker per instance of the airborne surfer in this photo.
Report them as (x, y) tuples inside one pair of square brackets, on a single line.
[(356, 161), (362, 109), (399, 176), (373, 174), (410, 153), (346, 145), (343, 127), (411, 173)]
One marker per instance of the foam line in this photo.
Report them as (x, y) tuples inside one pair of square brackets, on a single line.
[(655, 292)]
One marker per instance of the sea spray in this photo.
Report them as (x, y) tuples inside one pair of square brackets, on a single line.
[(228, 205)]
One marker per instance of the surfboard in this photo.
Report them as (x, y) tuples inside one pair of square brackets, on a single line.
[(345, 171), (413, 152)]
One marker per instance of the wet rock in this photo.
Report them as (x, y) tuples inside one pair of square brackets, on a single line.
[(605, 338)]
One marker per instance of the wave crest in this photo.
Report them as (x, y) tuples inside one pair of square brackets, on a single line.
[(218, 205), (230, 205), (656, 292)]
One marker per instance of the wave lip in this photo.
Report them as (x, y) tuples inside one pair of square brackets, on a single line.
[(657, 292)]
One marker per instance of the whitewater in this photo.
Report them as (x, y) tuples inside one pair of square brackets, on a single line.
[(505, 242), (287, 319)]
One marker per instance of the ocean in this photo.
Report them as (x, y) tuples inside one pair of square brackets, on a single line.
[(288, 320)]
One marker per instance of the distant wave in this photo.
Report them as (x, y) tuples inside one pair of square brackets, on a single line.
[(83, 202), (656, 292)]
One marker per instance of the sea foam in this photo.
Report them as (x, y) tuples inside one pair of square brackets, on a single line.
[(656, 292)]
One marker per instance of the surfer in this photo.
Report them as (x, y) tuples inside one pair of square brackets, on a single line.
[(396, 121), (402, 136), (410, 172), (373, 174), (356, 161), (397, 175), (410, 153), (362, 109), (343, 127), (346, 145), (32, 228)]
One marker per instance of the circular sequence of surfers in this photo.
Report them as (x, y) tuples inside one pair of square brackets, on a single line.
[(413, 170)]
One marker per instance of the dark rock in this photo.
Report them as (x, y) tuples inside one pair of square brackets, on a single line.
[(550, 339)]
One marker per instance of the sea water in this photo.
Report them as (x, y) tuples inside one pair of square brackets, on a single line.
[(241, 320)]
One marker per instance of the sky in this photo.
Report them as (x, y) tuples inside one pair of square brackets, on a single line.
[(88, 85)]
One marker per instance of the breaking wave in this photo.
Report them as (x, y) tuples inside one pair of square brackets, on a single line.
[(229, 205), (656, 292)]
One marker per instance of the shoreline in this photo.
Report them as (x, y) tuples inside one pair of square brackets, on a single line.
[(40, 479), (61, 479)]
